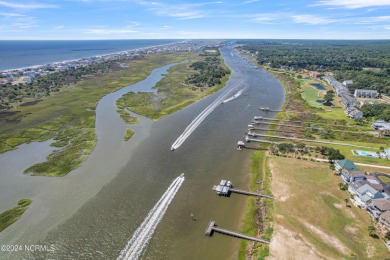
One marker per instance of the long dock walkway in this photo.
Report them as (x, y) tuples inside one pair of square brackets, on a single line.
[(303, 127), (212, 227), (297, 121), (249, 193), (304, 140)]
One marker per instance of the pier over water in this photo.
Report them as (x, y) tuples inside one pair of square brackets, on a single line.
[(212, 227)]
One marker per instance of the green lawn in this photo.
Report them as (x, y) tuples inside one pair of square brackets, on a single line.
[(309, 202)]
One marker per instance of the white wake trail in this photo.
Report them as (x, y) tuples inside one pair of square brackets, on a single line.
[(234, 97), (144, 232), (199, 119)]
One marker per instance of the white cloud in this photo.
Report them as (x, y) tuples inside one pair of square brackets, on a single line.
[(26, 5), (11, 15), (250, 1), (60, 27), (106, 31), (353, 4), (312, 19), (180, 11)]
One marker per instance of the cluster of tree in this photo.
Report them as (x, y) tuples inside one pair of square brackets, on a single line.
[(321, 54), (46, 84), (286, 148), (329, 96), (332, 153), (348, 59), (210, 73), (367, 79), (378, 111)]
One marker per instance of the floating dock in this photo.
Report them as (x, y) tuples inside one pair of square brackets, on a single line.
[(267, 109), (225, 188), (241, 145), (212, 227)]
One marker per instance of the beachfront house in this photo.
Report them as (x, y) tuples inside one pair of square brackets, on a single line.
[(378, 207), (384, 222), (344, 164), (365, 93), (348, 175), (365, 195)]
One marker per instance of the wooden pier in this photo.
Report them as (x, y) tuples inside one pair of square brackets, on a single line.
[(250, 193), (212, 227), (304, 140)]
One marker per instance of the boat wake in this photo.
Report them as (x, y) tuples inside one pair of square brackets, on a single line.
[(199, 119), (234, 97), (144, 232)]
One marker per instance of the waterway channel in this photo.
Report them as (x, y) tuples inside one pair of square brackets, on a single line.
[(92, 212)]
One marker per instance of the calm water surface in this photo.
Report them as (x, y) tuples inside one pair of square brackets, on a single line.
[(138, 173)]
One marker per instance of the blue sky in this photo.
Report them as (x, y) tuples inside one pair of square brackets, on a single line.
[(132, 19)]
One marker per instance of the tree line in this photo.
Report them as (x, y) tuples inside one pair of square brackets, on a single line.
[(367, 63)]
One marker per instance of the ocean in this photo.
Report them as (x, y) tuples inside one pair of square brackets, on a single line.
[(18, 54)]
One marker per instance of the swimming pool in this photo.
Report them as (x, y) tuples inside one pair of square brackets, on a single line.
[(366, 153)]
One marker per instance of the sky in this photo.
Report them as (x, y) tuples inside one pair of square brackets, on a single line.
[(173, 19)]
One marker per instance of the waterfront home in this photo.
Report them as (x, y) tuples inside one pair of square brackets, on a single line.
[(375, 183), (348, 100), (354, 113), (365, 195), (344, 164), (348, 175), (378, 207), (353, 186), (365, 93), (384, 222)]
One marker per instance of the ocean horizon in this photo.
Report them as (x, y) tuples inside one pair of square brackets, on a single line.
[(27, 53)]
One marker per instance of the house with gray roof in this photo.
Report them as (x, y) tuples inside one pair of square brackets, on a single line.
[(348, 100), (353, 186), (347, 83), (378, 207), (348, 175), (365, 195), (384, 222), (354, 113), (365, 93)]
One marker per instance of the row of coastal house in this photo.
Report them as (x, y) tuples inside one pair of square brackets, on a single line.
[(367, 192), (350, 101)]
